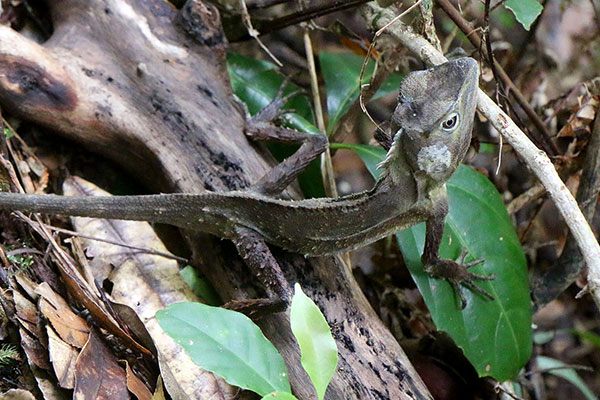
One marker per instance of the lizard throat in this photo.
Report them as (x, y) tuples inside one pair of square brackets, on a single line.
[(434, 160)]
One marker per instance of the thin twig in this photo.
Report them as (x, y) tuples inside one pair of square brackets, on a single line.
[(254, 33), (347, 121), (490, 53), (525, 198), (492, 62), (326, 166), (492, 9)]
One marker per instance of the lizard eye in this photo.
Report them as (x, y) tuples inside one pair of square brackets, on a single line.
[(450, 122)]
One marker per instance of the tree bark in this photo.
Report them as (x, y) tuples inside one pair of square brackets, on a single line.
[(146, 85)]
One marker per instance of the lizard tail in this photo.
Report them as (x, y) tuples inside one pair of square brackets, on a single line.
[(170, 209)]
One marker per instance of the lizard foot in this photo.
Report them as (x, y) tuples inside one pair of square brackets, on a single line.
[(273, 110), (457, 274)]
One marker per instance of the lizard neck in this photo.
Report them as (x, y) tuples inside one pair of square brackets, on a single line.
[(397, 175)]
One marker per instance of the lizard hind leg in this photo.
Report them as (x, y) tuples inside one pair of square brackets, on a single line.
[(257, 255), (260, 127)]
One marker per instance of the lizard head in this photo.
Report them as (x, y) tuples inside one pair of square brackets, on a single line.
[(433, 120)]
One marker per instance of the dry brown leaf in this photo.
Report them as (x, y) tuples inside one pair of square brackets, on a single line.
[(27, 314), (70, 327), (147, 283), (35, 352), (48, 386), (98, 376), (132, 321), (135, 385), (580, 121), (80, 290), (27, 285), (46, 382), (63, 357)]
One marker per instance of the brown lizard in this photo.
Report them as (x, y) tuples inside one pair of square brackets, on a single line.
[(430, 133)]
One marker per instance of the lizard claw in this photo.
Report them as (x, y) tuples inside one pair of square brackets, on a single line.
[(457, 274)]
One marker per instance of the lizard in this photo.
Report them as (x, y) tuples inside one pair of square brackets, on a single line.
[(429, 135)]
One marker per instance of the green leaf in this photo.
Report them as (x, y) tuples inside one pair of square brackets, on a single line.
[(526, 11), (317, 347), (279, 396), (200, 286), (560, 369), (7, 133), (341, 72), (227, 343), (495, 335)]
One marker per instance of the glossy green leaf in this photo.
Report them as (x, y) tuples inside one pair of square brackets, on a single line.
[(279, 396), (318, 350), (495, 335), (200, 286), (558, 368), (526, 11), (227, 343), (341, 72)]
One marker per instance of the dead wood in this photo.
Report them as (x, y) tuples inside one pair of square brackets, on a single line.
[(146, 85)]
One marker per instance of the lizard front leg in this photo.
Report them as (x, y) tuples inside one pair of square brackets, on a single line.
[(455, 272), (260, 127), (250, 244)]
